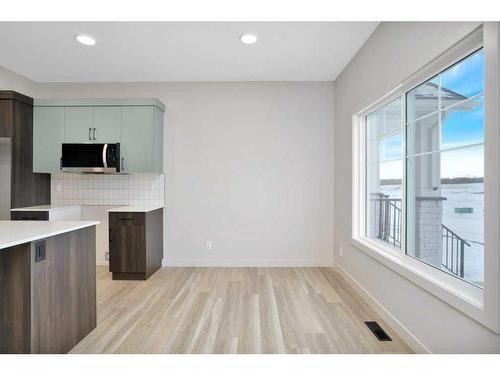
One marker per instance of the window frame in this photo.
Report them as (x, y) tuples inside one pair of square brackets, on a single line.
[(481, 305)]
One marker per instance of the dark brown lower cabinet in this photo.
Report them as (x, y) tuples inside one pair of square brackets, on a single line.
[(135, 244), (48, 293)]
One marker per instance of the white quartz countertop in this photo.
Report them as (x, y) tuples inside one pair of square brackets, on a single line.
[(14, 233), (129, 208), (134, 208), (47, 207)]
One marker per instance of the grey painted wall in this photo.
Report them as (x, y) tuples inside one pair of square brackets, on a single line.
[(249, 166), (393, 53)]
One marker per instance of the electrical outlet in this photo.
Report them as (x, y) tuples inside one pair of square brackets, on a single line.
[(208, 245), (341, 250), (106, 256)]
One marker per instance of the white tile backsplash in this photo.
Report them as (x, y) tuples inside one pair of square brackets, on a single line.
[(140, 190)]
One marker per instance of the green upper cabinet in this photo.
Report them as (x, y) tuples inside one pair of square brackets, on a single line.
[(137, 147), (93, 124), (107, 126), (78, 124), (48, 136), (137, 124)]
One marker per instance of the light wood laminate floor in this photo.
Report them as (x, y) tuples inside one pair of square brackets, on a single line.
[(234, 310)]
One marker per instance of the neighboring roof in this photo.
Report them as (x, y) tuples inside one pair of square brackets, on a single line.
[(428, 92), (431, 90)]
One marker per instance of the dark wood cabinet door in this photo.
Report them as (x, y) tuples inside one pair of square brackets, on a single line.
[(16, 122), (127, 253)]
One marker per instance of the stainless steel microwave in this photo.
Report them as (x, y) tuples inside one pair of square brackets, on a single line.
[(90, 157)]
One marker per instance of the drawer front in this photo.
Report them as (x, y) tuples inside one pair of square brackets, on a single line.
[(30, 215), (129, 218), (127, 242)]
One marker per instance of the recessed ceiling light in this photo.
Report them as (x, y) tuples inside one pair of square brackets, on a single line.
[(86, 39), (248, 38)]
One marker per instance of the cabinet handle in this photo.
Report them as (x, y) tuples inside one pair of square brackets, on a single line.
[(123, 164), (94, 134), (89, 134)]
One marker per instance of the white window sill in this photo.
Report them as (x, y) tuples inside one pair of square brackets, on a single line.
[(466, 298)]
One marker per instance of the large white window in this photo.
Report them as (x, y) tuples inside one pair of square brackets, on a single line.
[(419, 179), (434, 149)]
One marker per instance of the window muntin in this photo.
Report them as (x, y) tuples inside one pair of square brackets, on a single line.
[(443, 206)]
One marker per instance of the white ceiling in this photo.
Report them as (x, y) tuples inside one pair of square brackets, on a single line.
[(180, 51)]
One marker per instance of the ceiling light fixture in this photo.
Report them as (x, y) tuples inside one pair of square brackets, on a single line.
[(248, 38), (86, 39)]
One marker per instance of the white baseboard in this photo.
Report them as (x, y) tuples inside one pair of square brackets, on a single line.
[(390, 319), (102, 263), (247, 262)]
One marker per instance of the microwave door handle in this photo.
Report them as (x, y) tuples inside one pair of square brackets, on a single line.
[(104, 149)]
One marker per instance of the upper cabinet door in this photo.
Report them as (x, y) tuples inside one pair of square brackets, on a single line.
[(137, 147), (107, 125), (158, 140), (48, 135), (78, 125)]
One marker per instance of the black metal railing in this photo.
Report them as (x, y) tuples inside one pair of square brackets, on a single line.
[(389, 219), (453, 251), (389, 230)]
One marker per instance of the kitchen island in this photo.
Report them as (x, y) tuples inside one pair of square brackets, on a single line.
[(48, 285)]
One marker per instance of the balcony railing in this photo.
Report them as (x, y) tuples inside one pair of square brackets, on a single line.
[(389, 220), (453, 251), (388, 229)]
